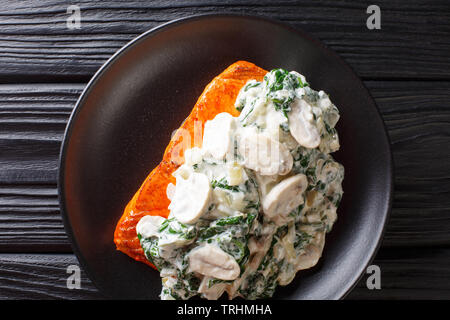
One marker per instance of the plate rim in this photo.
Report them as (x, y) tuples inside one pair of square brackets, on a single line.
[(191, 18)]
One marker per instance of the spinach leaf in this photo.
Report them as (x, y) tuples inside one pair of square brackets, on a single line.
[(152, 253), (230, 220), (223, 184), (277, 80), (252, 84), (173, 227), (301, 239)]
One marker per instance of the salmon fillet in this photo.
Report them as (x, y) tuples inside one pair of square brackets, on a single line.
[(151, 199)]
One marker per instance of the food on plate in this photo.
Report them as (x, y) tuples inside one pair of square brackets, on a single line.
[(248, 204)]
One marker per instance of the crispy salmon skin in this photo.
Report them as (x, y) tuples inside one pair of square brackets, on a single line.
[(151, 199)]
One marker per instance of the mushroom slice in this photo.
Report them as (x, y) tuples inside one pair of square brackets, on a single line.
[(148, 226), (285, 196), (211, 261), (265, 155), (217, 136), (191, 198), (301, 124)]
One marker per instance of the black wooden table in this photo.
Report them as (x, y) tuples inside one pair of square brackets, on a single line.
[(44, 66)]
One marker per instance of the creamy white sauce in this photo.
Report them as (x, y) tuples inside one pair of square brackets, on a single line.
[(252, 206), (148, 226)]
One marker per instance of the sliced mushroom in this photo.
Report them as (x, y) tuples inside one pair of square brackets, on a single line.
[(285, 196), (301, 124), (212, 261), (265, 155), (191, 198), (217, 135), (148, 226)]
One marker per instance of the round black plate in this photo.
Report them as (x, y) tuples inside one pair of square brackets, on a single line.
[(125, 117)]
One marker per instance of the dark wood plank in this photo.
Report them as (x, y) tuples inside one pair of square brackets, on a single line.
[(41, 276), (409, 274), (32, 123), (33, 117), (417, 115), (405, 274), (36, 45)]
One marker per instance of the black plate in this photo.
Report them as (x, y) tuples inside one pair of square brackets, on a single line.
[(125, 117)]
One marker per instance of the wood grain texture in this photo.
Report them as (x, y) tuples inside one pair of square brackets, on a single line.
[(417, 115), (35, 43), (32, 123), (33, 117), (407, 274), (42, 276)]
